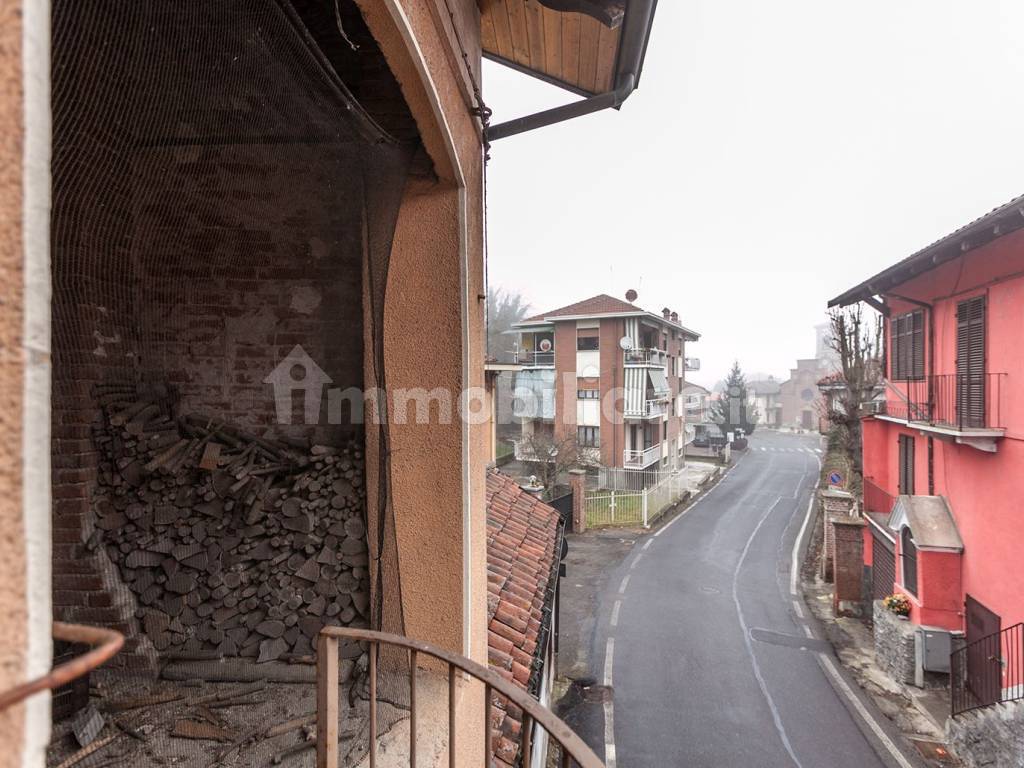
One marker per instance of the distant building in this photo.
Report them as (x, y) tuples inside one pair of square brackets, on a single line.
[(799, 401), (764, 396), (576, 358)]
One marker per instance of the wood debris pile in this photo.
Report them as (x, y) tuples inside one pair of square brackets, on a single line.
[(230, 542)]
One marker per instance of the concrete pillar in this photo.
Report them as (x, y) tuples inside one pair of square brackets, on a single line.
[(579, 513)]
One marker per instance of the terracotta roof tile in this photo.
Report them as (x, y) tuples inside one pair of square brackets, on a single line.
[(602, 304), (522, 536)]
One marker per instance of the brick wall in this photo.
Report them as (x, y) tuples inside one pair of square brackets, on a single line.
[(226, 268), (848, 567)]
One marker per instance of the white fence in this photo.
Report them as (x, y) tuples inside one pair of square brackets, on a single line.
[(633, 498)]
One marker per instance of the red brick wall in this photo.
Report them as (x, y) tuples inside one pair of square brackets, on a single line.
[(227, 267), (848, 566)]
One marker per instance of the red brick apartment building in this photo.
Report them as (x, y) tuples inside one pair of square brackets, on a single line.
[(944, 450), (608, 374)]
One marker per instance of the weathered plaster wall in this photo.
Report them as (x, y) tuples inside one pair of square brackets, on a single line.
[(434, 336), (13, 608)]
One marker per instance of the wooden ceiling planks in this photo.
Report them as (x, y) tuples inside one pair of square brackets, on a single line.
[(570, 48)]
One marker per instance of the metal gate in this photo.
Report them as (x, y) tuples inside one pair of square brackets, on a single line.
[(984, 666), (883, 567)]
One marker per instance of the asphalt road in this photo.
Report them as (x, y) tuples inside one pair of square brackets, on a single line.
[(709, 657)]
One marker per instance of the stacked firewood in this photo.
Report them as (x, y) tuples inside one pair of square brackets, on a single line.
[(231, 543)]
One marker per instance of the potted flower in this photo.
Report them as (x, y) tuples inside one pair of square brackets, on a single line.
[(898, 604)]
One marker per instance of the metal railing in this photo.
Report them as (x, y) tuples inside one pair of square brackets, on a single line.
[(958, 401), (648, 409), (876, 498), (645, 356), (638, 459), (988, 671), (529, 357), (107, 643), (631, 497), (573, 750)]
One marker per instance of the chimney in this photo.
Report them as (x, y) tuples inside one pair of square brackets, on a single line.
[(675, 317), (666, 313)]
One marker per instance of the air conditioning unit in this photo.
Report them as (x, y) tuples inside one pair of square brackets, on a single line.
[(693, 363)]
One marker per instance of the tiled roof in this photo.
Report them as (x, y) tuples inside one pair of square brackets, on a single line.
[(523, 534), (602, 304)]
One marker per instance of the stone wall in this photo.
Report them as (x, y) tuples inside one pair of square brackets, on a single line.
[(992, 737), (894, 644)]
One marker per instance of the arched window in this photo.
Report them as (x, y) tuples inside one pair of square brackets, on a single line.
[(908, 556)]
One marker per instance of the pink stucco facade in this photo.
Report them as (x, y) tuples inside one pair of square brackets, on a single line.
[(981, 485)]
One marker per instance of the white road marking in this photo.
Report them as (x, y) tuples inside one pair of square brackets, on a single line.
[(807, 631), (624, 584), (794, 566), (817, 450), (763, 448), (796, 607), (609, 711), (779, 727), (876, 729), (649, 542), (636, 560), (615, 613)]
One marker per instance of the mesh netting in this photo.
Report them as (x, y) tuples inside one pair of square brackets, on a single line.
[(220, 201)]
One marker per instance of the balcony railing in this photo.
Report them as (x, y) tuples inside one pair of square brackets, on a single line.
[(962, 402), (536, 359), (461, 671), (639, 459), (988, 671), (647, 409), (645, 356)]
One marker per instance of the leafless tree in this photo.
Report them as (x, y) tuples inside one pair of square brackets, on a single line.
[(857, 340), (503, 309), (554, 458)]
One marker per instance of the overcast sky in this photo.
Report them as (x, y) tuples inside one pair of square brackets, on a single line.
[(774, 155)]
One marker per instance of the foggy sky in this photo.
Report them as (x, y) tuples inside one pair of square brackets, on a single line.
[(774, 155)]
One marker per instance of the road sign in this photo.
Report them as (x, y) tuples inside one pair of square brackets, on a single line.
[(835, 478)]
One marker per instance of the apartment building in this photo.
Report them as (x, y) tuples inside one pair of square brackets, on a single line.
[(944, 449), (608, 376)]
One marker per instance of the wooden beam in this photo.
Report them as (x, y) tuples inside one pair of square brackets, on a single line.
[(879, 306)]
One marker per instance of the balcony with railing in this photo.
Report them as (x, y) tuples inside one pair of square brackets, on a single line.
[(647, 409), (413, 670), (641, 459), (644, 356), (876, 498), (529, 358), (962, 405)]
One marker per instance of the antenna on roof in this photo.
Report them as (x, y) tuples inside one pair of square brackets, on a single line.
[(631, 295)]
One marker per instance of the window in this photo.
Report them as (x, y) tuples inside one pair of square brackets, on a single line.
[(908, 557), (586, 343), (588, 437), (588, 394), (664, 430), (908, 346), (906, 467)]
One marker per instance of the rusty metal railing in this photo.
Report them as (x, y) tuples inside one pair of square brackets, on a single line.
[(107, 643), (573, 750)]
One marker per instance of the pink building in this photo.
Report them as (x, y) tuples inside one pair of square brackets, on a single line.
[(944, 450)]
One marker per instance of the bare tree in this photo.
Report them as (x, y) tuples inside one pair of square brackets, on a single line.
[(503, 309), (550, 458), (857, 340)]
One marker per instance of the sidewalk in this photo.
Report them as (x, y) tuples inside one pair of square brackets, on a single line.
[(919, 714)]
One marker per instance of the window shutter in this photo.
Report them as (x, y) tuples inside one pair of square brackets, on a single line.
[(906, 468), (970, 361), (917, 345)]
